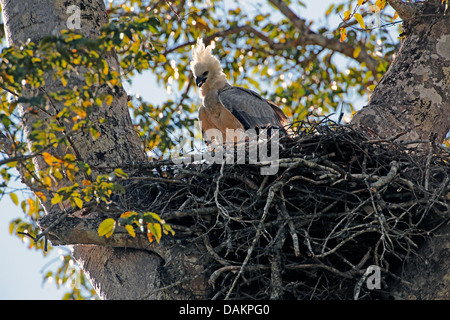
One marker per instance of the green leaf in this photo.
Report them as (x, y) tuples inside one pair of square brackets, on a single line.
[(23, 205), (12, 164), (88, 80), (330, 8), (120, 173), (167, 228), (154, 216), (106, 228), (14, 198)]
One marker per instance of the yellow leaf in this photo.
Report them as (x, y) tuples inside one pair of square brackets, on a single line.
[(202, 24), (87, 182), (57, 174), (160, 58), (86, 103), (12, 106), (359, 18), (360, 2), (130, 230), (356, 52), (380, 4), (327, 13), (347, 15), (127, 214), (343, 34), (155, 230), (41, 195), (47, 158), (56, 198), (79, 202), (167, 229), (82, 113), (70, 175), (14, 198), (113, 82), (158, 232), (395, 16), (12, 164), (106, 228), (120, 173), (150, 237), (69, 157), (47, 181), (109, 99), (155, 216), (105, 69), (89, 80), (32, 206)]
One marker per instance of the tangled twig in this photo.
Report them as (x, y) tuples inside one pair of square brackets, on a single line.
[(340, 203)]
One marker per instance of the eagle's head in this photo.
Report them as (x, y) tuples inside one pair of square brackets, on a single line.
[(208, 72)]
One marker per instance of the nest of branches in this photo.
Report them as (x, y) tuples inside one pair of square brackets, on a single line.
[(339, 203)]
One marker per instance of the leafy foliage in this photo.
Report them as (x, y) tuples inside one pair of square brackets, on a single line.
[(259, 50), (26, 69)]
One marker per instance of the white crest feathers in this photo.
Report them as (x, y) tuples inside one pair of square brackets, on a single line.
[(202, 54)]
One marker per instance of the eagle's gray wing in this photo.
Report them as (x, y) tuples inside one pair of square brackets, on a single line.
[(249, 108)]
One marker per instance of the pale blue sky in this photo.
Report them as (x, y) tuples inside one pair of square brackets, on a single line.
[(21, 270)]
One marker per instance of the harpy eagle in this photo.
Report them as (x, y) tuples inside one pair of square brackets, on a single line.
[(229, 107)]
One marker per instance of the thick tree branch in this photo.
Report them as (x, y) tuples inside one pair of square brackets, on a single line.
[(74, 231), (308, 37), (5, 143), (405, 10), (234, 30), (413, 95), (313, 38)]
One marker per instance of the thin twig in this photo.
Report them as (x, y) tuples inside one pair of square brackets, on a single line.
[(270, 196)]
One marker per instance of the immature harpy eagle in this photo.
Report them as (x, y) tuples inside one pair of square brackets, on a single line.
[(229, 107)]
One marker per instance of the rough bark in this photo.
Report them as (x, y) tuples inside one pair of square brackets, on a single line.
[(428, 271), (412, 101), (413, 96), (118, 273)]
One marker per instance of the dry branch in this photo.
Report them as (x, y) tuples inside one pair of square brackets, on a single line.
[(339, 203)]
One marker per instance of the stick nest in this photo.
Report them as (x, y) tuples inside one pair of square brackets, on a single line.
[(339, 203)]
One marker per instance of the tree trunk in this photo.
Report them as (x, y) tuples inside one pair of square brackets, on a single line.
[(116, 273), (413, 96), (412, 100)]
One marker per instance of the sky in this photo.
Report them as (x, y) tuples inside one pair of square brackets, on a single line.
[(22, 270)]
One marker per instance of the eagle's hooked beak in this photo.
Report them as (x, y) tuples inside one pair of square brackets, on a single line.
[(200, 80)]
